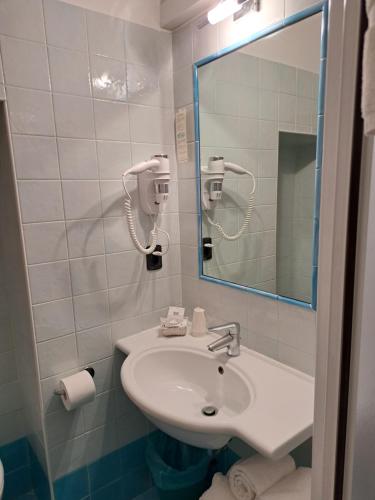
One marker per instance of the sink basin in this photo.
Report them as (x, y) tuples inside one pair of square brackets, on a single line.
[(175, 384), (205, 399)]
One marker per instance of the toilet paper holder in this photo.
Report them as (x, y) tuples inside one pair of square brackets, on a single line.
[(61, 392)]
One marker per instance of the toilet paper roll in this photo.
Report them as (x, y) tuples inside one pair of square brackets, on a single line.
[(78, 389)]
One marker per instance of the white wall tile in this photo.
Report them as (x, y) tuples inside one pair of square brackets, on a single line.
[(74, 117), (267, 134), (288, 79), (78, 159), (57, 356), (70, 72), (10, 397), (205, 41), (49, 281), (88, 274), (22, 19), (151, 125), (25, 63), (114, 158), (108, 78), (81, 199), (287, 108), (41, 201), (85, 237), (53, 319), (65, 25), (45, 242), (182, 47), (128, 301), (94, 344), (91, 310), (112, 193), (117, 238), (297, 328), (98, 27), (143, 85), (101, 411), (104, 376), (132, 428), (111, 120), (6, 343), (125, 268), (30, 112), (189, 229), (296, 359), (8, 367), (268, 109), (262, 317), (35, 157), (183, 86), (12, 426), (63, 425), (148, 47)]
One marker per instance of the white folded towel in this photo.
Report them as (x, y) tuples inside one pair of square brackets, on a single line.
[(368, 86), (219, 489), (253, 476), (295, 486)]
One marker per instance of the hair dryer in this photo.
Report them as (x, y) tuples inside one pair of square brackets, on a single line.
[(153, 187)]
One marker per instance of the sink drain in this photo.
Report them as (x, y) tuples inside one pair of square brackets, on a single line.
[(209, 411)]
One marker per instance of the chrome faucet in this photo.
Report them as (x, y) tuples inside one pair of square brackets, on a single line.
[(231, 339)]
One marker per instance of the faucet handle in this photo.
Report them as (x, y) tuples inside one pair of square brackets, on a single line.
[(233, 325)]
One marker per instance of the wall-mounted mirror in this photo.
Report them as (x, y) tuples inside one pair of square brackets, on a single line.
[(259, 119)]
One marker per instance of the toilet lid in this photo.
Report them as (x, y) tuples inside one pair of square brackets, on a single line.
[(1, 479)]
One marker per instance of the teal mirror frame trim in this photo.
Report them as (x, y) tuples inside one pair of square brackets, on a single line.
[(315, 9)]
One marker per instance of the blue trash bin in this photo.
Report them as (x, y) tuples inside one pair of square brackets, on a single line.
[(179, 471)]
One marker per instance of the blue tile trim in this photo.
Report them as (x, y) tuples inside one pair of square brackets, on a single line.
[(319, 7), (121, 474), (111, 491), (24, 476), (15, 455), (74, 486), (105, 470)]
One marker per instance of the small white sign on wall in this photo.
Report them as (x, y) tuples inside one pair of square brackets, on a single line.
[(181, 136)]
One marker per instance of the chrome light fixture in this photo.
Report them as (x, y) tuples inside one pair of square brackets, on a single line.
[(226, 8)]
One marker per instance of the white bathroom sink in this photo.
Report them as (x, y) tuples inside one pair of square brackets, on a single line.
[(265, 403)]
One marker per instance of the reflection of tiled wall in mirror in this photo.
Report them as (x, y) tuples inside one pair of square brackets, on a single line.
[(244, 103)]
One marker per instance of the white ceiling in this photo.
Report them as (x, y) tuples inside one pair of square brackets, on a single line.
[(298, 45), (145, 12)]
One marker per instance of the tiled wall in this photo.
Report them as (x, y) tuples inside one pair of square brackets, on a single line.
[(276, 329), (83, 107), (244, 103), (26, 393), (295, 213), (11, 412)]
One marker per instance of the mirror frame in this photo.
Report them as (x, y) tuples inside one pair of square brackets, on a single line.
[(322, 8)]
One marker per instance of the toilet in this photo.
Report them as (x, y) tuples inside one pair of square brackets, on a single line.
[(1, 480)]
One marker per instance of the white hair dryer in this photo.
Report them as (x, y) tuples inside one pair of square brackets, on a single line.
[(153, 187), (212, 189)]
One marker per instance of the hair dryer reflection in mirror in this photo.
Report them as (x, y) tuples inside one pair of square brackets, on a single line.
[(212, 189)]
